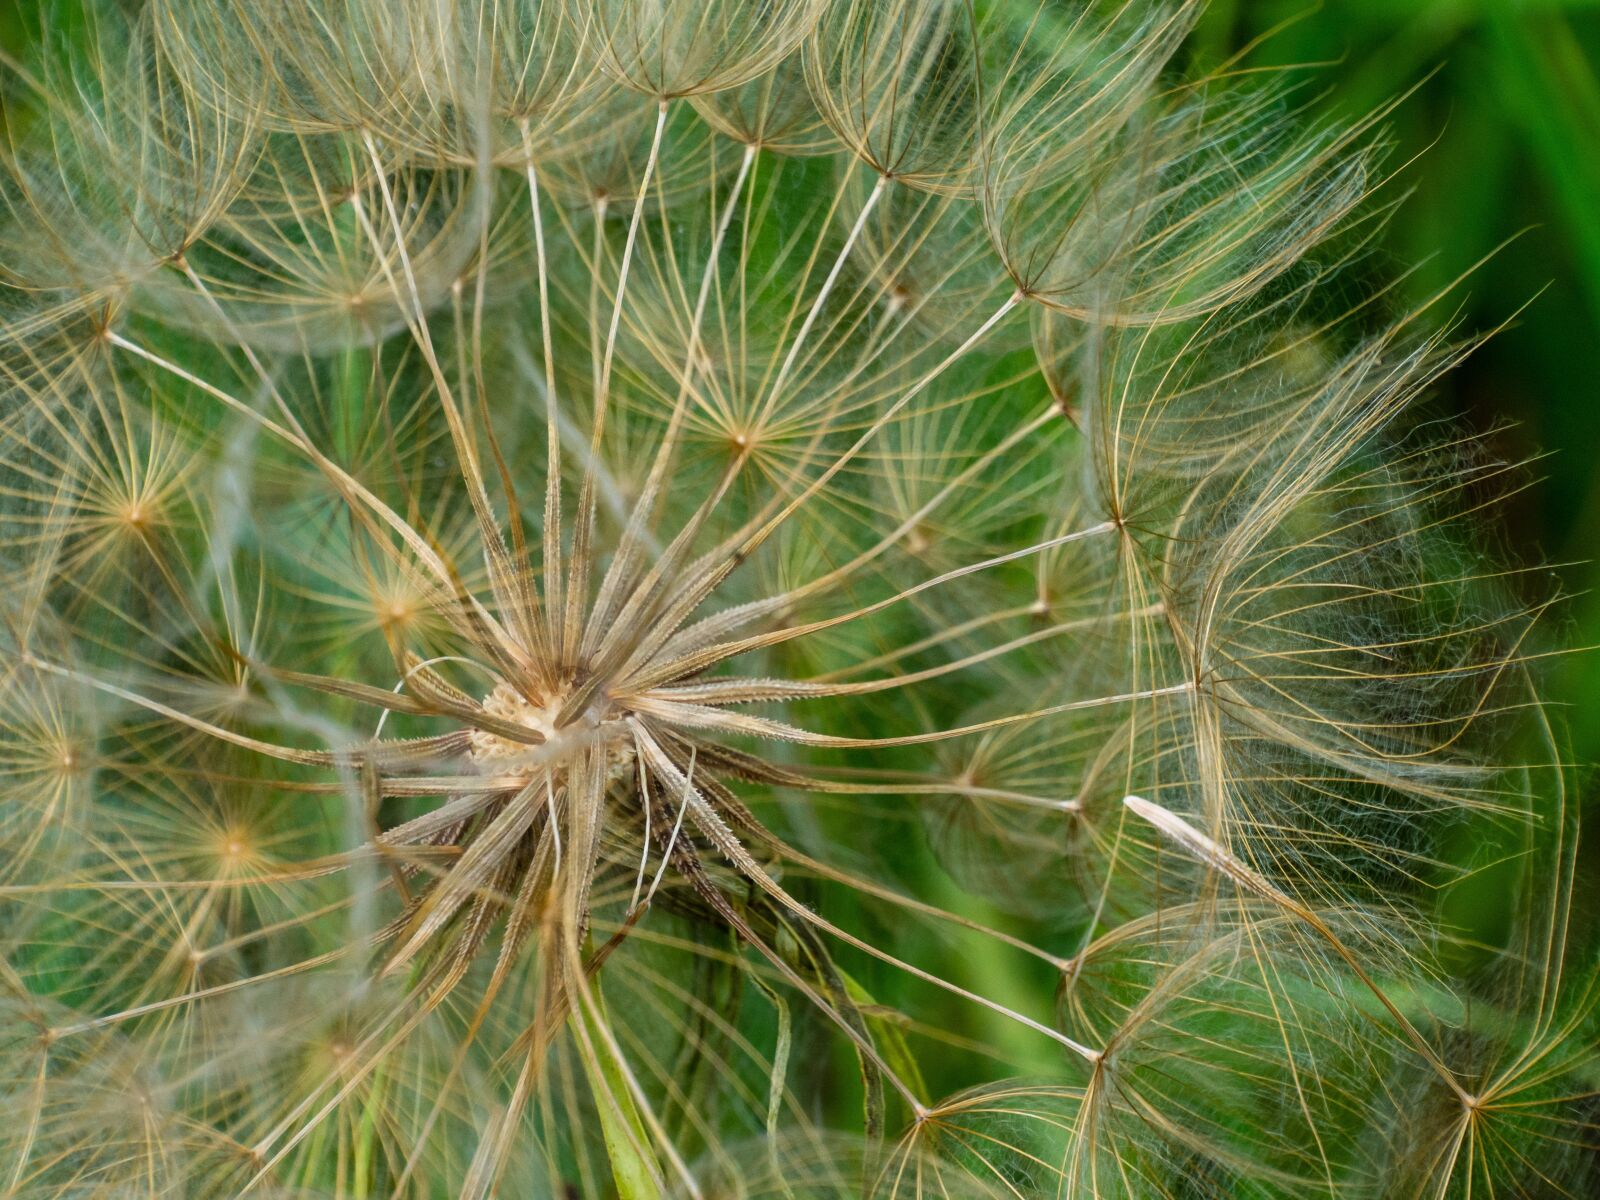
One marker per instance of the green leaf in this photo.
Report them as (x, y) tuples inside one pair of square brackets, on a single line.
[(633, 1165)]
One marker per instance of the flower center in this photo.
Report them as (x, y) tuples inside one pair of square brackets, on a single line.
[(507, 704), (495, 753)]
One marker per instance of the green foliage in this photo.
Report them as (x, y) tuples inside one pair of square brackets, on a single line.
[(1497, 135)]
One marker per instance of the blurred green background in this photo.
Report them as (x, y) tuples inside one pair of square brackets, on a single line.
[(1500, 143), (1500, 139)]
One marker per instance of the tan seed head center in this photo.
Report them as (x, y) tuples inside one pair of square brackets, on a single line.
[(495, 753), (505, 703)]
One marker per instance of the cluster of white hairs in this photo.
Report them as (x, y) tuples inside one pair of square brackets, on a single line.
[(747, 598)]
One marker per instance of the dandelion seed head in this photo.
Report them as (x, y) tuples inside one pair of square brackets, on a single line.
[(696, 599)]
